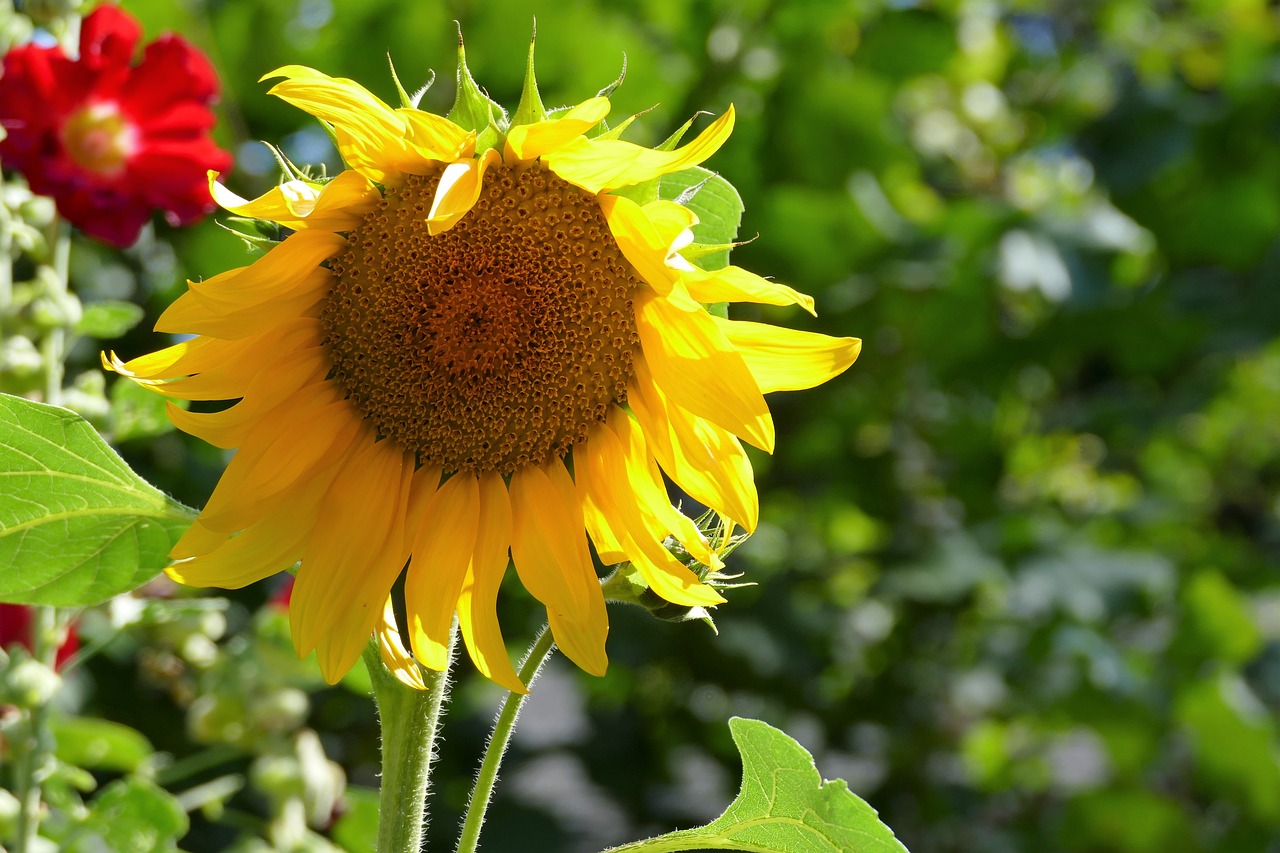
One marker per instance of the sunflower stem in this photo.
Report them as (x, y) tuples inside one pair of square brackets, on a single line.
[(409, 719), (503, 727)]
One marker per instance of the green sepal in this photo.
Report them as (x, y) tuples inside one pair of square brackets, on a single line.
[(474, 110), (258, 234), (530, 109), (408, 101), (612, 87)]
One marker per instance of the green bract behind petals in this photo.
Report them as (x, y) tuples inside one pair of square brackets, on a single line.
[(474, 110), (530, 110)]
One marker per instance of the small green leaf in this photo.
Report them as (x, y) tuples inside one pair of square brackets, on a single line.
[(717, 203), (408, 101), (129, 816), (784, 806), (99, 744), (108, 319), (77, 526)]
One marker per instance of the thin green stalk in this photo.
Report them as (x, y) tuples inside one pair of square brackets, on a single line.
[(498, 741), (409, 719), (53, 346), (34, 750)]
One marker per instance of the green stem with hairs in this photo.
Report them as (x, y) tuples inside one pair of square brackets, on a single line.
[(409, 720), (498, 741)]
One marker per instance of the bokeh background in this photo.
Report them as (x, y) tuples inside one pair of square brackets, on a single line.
[(1017, 570)]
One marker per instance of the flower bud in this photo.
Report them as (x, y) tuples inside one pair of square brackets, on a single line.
[(28, 683)]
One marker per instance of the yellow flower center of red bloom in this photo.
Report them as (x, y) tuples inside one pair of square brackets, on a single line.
[(99, 139), (496, 344)]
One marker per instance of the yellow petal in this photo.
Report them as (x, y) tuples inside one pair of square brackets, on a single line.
[(604, 464), (640, 241), (339, 205), (443, 547), (181, 359), (311, 433), (530, 141), (704, 460), (270, 545), (694, 365), (370, 135), (651, 493), (734, 284), (264, 353), (458, 190), (266, 391), (197, 540), (605, 164), (395, 657), (549, 549), (353, 555), (477, 603), (436, 138), (670, 220), (276, 274), (789, 360)]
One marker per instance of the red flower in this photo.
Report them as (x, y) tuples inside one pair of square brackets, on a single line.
[(110, 142), (15, 629)]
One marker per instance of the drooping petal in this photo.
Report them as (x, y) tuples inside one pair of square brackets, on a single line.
[(477, 603), (370, 135), (395, 657), (694, 365), (670, 220), (530, 141), (704, 460), (734, 284), (436, 138), (443, 547), (789, 360), (344, 579), (458, 190), (604, 164), (549, 549), (339, 205), (603, 463)]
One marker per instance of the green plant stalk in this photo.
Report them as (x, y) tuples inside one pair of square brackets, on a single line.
[(503, 727), (409, 720), (53, 346), (33, 750)]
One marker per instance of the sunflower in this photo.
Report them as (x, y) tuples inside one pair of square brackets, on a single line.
[(471, 352)]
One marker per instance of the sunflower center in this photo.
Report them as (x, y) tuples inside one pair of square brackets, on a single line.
[(99, 138), (496, 344)]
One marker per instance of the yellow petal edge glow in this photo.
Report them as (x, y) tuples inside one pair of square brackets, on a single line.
[(462, 361)]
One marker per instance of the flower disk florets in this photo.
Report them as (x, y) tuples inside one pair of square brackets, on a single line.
[(496, 344)]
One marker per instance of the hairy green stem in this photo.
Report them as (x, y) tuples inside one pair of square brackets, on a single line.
[(503, 727), (409, 719)]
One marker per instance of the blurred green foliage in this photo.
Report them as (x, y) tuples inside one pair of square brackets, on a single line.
[(1017, 570)]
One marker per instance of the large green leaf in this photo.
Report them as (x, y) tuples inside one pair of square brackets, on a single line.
[(784, 806), (77, 526)]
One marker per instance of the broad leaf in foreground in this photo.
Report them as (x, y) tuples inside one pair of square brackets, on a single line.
[(784, 806), (77, 526)]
